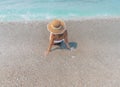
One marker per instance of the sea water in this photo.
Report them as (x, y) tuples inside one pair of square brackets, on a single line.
[(17, 10)]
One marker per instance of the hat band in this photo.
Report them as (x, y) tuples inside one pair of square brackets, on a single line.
[(56, 28)]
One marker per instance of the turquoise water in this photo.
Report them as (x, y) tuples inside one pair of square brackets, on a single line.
[(12, 10)]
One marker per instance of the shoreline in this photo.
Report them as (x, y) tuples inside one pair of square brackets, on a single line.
[(66, 19)]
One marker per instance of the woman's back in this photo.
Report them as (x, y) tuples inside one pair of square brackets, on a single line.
[(59, 36)]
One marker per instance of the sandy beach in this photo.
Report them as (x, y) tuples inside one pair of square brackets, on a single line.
[(93, 61)]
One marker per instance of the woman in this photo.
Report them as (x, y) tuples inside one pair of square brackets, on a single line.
[(58, 33)]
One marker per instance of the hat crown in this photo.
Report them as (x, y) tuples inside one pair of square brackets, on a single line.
[(56, 23), (56, 26)]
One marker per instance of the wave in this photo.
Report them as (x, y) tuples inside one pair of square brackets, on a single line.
[(34, 17)]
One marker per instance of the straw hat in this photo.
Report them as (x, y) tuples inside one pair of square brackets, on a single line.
[(56, 27)]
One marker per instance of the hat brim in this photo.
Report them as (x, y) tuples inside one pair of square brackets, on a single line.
[(56, 31)]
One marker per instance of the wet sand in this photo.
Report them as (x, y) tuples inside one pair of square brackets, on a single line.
[(93, 61)]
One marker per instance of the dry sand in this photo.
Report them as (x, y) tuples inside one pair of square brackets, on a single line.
[(94, 60)]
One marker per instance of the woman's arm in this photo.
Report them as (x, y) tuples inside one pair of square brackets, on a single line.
[(66, 39), (51, 41)]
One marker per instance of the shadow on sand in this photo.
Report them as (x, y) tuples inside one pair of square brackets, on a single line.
[(62, 45)]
